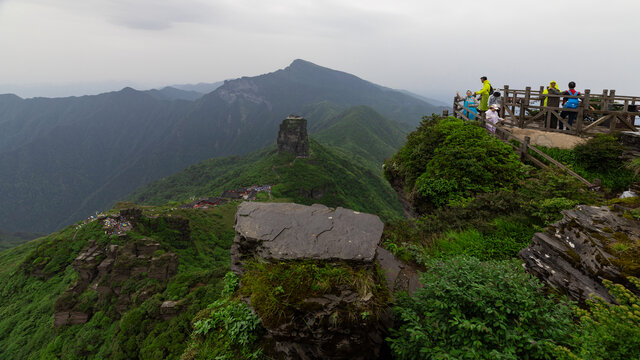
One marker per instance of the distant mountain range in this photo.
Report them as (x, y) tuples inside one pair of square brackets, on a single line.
[(62, 159)]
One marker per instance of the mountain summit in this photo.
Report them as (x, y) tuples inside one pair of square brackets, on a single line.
[(63, 159)]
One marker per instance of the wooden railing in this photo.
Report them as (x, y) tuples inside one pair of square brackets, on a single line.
[(596, 113)]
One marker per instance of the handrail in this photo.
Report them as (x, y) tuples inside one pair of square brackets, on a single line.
[(596, 113)]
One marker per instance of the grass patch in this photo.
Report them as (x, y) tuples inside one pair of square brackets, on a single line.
[(278, 290)]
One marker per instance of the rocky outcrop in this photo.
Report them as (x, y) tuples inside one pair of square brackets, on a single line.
[(398, 275), (291, 233), (108, 273), (292, 137), (287, 231), (588, 245)]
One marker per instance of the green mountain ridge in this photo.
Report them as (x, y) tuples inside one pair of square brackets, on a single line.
[(63, 159), (327, 177), (38, 279), (346, 162)]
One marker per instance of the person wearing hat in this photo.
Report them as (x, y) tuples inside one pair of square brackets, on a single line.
[(495, 98), (484, 92), (492, 117), (552, 101)]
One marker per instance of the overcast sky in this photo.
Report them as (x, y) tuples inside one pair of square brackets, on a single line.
[(73, 47)]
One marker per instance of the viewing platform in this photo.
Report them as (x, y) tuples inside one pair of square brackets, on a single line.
[(604, 112)]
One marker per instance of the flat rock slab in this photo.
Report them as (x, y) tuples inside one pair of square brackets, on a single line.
[(287, 231)]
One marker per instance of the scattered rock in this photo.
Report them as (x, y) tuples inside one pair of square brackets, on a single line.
[(588, 245), (169, 309)]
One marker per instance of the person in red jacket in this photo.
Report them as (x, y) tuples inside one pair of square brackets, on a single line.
[(570, 103)]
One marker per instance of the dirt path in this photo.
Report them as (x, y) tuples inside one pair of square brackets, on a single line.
[(548, 139)]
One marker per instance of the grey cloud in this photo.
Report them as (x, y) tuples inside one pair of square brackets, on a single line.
[(159, 15)]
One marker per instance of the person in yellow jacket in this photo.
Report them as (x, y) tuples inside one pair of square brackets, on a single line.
[(552, 89), (484, 92)]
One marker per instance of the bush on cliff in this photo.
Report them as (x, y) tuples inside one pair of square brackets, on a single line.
[(479, 310), (599, 157), (226, 330), (448, 160), (465, 185), (601, 153)]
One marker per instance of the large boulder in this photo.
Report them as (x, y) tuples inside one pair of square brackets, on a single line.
[(588, 245), (327, 324), (287, 231)]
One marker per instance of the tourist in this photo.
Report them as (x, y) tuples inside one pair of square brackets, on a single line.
[(492, 117), (484, 92), (553, 101), (470, 105), (570, 103), (495, 99)]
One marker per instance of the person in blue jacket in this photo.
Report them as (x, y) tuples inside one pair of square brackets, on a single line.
[(470, 105)]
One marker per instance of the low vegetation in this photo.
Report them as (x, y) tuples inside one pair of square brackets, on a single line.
[(479, 310), (476, 301), (599, 158), (327, 177), (494, 208), (278, 290), (34, 275), (608, 331), (226, 330)]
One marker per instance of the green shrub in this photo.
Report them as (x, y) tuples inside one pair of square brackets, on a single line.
[(479, 310), (448, 160), (608, 331), (227, 330), (601, 153), (549, 210), (603, 165)]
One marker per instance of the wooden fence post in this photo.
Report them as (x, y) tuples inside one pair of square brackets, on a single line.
[(505, 99), (614, 118), (524, 148), (523, 106), (583, 109), (455, 107), (603, 101), (513, 108), (445, 113)]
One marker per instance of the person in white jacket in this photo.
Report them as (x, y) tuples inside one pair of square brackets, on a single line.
[(492, 117)]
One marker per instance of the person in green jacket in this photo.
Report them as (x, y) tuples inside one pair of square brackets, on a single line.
[(484, 92)]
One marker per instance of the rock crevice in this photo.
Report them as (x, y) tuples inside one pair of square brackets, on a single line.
[(588, 245)]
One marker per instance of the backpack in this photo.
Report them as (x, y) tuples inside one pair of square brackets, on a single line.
[(490, 89), (573, 102)]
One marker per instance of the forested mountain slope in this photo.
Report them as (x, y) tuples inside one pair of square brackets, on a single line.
[(63, 159)]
